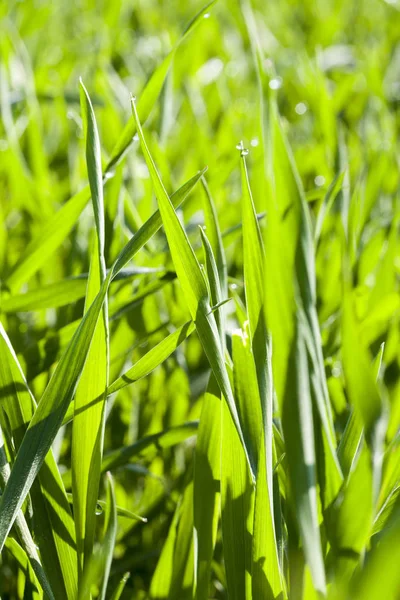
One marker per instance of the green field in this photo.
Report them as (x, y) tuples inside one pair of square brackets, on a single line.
[(199, 309)]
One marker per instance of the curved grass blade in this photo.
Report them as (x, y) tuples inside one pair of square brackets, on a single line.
[(90, 396), (153, 358), (55, 536), (48, 416), (192, 281)]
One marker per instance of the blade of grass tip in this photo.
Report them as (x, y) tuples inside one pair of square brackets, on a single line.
[(49, 502), (152, 359), (48, 416), (206, 490), (22, 528), (152, 91), (192, 281), (120, 587), (90, 396)]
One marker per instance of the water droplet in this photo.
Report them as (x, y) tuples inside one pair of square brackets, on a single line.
[(254, 142), (234, 286), (300, 108), (133, 98), (202, 266), (99, 509), (319, 180), (275, 83), (204, 227), (243, 151), (135, 137), (207, 15)]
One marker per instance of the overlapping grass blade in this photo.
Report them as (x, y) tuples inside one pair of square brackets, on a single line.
[(90, 396), (153, 358), (56, 540), (48, 416), (191, 279), (206, 487), (237, 514)]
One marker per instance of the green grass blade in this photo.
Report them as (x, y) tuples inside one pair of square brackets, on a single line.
[(153, 224), (98, 566), (206, 487), (191, 279), (56, 541), (22, 528), (152, 359), (48, 416), (120, 587), (90, 396), (110, 535), (298, 429), (237, 498), (216, 297)]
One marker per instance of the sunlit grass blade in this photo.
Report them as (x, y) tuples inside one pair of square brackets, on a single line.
[(206, 487), (216, 297), (191, 279), (237, 515), (174, 574), (298, 429), (90, 396), (153, 224), (48, 416), (56, 542), (153, 358)]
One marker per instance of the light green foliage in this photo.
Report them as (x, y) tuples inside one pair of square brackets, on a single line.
[(199, 336)]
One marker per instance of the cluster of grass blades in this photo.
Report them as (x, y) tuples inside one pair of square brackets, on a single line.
[(199, 389)]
